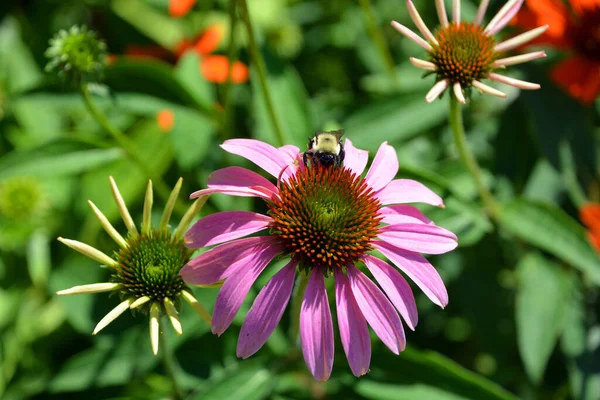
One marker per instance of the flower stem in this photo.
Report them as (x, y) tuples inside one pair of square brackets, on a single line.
[(169, 363), (123, 141), (378, 38), (458, 131), (301, 284), (259, 63)]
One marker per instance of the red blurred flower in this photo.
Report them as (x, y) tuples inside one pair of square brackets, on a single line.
[(179, 8), (214, 68), (575, 29), (590, 216)]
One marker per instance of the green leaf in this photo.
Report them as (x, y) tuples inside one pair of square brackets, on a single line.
[(187, 72), (290, 102), (394, 120), (248, 381), (435, 371), (551, 229), (55, 159), (18, 69), (541, 303), (386, 391), (157, 26)]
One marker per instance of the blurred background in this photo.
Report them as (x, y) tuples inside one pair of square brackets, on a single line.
[(522, 321)]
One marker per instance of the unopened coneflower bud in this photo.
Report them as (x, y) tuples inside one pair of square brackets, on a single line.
[(145, 267), (77, 54)]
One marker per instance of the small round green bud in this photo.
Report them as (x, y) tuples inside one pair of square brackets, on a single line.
[(77, 54)]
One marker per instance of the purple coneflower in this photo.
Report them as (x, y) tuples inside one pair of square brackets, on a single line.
[(462, 54), (326, 220)]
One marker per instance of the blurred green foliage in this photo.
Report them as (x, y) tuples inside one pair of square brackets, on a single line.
[(524, 296)]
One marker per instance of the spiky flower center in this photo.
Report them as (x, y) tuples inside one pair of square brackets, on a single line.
[(150, 265), (464, 54), (326, 217)]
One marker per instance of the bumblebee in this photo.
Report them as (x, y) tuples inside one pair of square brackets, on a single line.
[(325, 149)]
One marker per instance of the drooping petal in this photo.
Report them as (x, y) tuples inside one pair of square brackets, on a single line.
[(407, 191), (396, 288), (212, 264), (260, 153), (384, 167), (456, 11), (521, 39), (356, 159), (414, 14), (253, 191), (316, 328), (422, 64), (506, 18), (403, 214), (513, 82), (458, 92), (521, 58), (225, 226), (238, 176), (428, 239), (481, 12), (436, 90), (236, 287), (377, 310), (509, 9), (411, 35), (488, 89), (353, 327), (418, 269), (441, 12), (266, 311)]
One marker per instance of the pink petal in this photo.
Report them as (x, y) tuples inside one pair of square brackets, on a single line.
[(377, 310), (254, 191), (355, 159), (236, 287), (290, 151), (353, 327), (316, 329), (217, 263), (396, 288), (238, 177), (418, 269), (407, 191), (266, 311), (225, 226), (260, 153), (403, 214), (384, 167), (428, 239)]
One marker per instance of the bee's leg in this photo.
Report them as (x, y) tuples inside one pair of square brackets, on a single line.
[(305, 158), (340, 159)]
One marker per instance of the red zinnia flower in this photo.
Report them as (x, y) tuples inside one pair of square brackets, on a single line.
[(576, 29), (590, 216)]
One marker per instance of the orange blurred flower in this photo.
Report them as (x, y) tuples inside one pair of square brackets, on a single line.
[(165, 120), (214, 68), (574, 28), (590, 216), (179, 8)]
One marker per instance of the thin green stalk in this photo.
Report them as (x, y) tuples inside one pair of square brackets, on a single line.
[(378, 38), (458, 131), (231, 50), (301, 284), (123, 141), (169, 363), (259, 63)]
